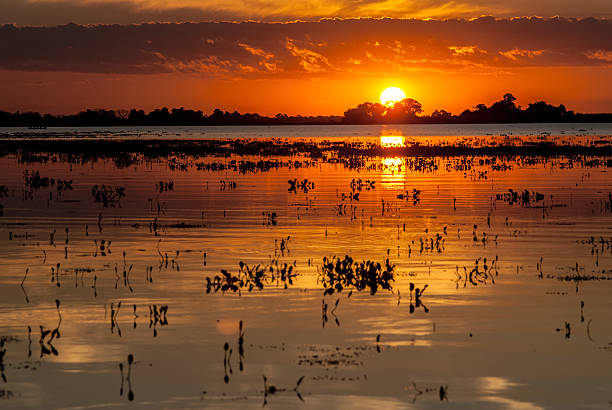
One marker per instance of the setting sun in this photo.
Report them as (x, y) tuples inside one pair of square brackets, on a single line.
[(392, 95)]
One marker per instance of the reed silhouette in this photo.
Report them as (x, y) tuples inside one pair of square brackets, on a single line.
[(127, 377)]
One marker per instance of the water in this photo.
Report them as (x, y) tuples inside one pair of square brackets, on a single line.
[(317, 131), (514, 336)]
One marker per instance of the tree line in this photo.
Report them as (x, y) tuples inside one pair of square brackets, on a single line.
[(407, 111)]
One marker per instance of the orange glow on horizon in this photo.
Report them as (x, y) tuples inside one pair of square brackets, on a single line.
[(54, 92)]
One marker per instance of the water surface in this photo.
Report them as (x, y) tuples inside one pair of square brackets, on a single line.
[(516, 312)]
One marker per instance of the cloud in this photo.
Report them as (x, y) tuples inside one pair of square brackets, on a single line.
[(602, 55), (267, 59), (516, 53), (323, 48), (310, 61), (465, 50), (53, 12)]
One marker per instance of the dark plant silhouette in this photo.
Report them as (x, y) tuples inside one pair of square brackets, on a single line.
[(405, 111)]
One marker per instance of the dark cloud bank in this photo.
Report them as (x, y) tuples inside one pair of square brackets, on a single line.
[(315, 48)]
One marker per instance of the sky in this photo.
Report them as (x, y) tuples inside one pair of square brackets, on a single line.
[(302, 57)]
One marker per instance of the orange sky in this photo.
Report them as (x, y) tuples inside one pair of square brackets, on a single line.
[(309, 68), (589, 91)]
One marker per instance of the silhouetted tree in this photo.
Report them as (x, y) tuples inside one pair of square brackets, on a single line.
[(441, 116), (366, 113), (403, 111)]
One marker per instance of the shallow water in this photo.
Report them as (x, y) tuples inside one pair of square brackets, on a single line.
[(318, 131), (516, 336)]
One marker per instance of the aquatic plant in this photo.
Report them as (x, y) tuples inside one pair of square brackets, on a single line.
[(304, 185), (414, 195), (523, 198), (162, 186), (128, 377), (2, 354), (108, 195), (253, 277), (337, 274)]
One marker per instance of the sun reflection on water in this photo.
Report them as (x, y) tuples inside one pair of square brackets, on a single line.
[(392, 174), (391, 141)]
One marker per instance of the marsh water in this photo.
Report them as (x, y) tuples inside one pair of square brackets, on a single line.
[(530, 130), (120, 280)]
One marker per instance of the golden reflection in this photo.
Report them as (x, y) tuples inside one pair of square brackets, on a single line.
[(393, 175), (391, 141)]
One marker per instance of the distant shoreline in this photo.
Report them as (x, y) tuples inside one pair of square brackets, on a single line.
[(406, 111)]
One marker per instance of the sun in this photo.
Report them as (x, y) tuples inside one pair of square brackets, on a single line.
[(392, 95)]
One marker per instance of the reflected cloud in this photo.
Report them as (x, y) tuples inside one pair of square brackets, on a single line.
[(513, 404), (496, 385), (355, 402), (88, 353)]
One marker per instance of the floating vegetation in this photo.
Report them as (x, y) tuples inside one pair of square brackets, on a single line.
[(442, 392), (607, 203), (324, 310), (352, 196), (102, 248), (128, 377), (431, 244), (414, 196), (359, 184), (162, 186), (418, 302), (270, 389), (223, 185), (523, 198), (48, 335), (253, 277), (304, 185), (281, 246), (333, 357), (156, 317), (337, 274), (478, 275), (3, 194), (34, 180), (3, 342), (270, 218), (108, 195), (583, 277)]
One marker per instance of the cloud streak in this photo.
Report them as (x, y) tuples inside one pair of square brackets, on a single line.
[(53, 12), (323, 48)]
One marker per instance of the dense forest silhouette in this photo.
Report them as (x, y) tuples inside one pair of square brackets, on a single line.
[(407, 111)]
